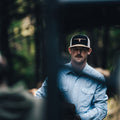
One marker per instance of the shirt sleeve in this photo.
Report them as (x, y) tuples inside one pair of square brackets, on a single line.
[(99, 110), (42, 91)]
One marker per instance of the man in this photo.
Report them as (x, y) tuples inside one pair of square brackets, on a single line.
[(81, 84)]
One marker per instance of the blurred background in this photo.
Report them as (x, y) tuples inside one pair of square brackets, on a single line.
[(22, 42)]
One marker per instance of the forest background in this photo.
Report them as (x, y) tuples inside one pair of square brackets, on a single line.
[(22, 25)]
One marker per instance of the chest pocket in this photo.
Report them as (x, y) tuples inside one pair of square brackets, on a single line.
[(86, 97)]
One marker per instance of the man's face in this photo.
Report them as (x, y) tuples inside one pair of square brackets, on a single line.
[(79, 54)]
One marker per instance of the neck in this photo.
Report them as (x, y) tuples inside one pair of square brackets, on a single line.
[(78, 66)]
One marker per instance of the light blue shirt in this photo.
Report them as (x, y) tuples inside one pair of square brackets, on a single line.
[(86, 90)]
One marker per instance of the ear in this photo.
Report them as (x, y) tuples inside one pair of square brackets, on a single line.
[(89, 51), (69, 50)]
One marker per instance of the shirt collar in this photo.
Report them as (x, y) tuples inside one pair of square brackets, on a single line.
[(70, 69), (85, 68)]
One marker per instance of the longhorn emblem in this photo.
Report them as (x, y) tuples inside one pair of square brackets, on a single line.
[(79, 39)]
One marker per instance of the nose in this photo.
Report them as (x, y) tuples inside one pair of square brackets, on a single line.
[(78, 51)]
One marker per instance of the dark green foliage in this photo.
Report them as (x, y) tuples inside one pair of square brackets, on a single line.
[(22, 24)]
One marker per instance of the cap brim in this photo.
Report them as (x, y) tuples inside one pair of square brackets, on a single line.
[(79, 45)]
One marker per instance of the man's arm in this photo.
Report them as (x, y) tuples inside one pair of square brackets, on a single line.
[(42, 91), (99, 110)]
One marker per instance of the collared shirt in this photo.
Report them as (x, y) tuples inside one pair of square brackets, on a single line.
[(85, 89)]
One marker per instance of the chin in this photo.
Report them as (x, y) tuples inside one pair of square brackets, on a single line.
[(79, 62)]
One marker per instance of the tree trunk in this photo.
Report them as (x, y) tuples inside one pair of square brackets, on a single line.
[(4, 43), (105, 47), (40, 70)]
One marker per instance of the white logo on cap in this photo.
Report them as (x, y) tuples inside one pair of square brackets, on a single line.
[(79, 39)]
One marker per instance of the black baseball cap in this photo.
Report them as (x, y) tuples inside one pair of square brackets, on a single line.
[(80, 41)]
